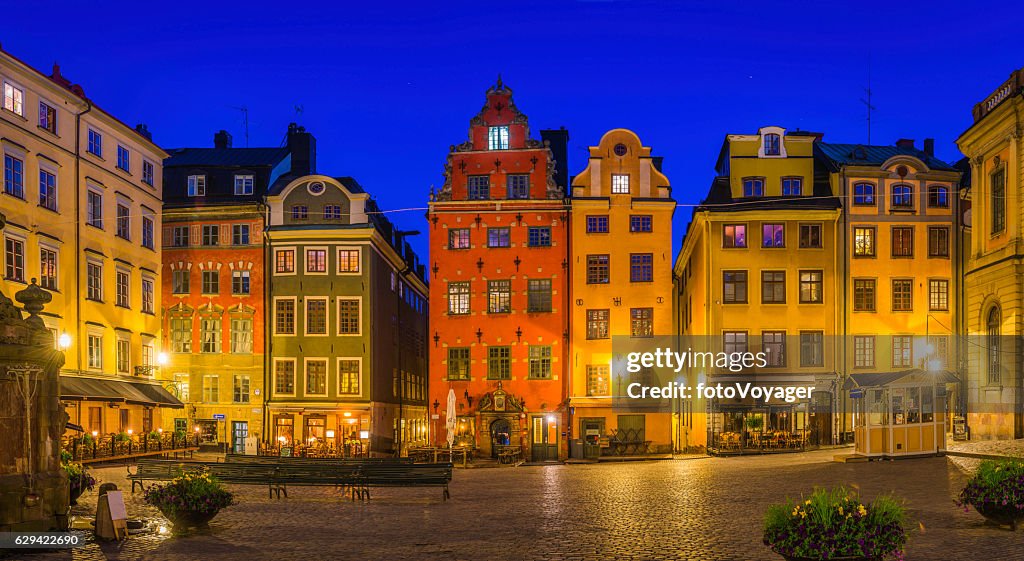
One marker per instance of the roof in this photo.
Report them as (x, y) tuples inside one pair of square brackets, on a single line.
[(839, 155), (879, 379), (720, 199), (143, 393), (241, 157)]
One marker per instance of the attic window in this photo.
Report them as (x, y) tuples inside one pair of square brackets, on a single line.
[(772, 145), (497, 138), (859, 153)]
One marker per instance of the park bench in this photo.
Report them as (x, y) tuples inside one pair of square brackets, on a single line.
[(406, 475), (243, 474), (344, 476), (159, 470)]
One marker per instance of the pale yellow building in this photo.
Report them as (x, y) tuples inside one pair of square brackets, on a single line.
[(82, 194)]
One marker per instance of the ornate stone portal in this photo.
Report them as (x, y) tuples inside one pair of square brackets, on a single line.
[(501, 423)]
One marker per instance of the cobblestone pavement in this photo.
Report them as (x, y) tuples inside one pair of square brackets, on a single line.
[(1012, 448), (706, 509)]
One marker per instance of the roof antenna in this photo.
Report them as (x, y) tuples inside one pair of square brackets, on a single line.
[(245, 122), (867, 102)]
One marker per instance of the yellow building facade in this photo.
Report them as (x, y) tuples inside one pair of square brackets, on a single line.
[(621, 269), (82, 196)]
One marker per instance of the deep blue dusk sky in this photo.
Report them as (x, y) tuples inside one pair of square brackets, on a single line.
[(387, 87)]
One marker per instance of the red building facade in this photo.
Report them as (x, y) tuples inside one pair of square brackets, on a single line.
[(499, 287)]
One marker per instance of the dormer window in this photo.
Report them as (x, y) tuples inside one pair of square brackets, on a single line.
[(792, 186), (902, 196), (197, 185), (243, 184), (753, 187), (497, 138), (772, 144)]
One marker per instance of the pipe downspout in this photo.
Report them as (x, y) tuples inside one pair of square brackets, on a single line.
[(78, 231)]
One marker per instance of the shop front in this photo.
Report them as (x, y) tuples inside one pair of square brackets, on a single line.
[(328, 433), (900, 413), (755, 426)]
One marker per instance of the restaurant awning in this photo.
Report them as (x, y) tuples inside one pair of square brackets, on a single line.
[(879, 379), (76, 388)]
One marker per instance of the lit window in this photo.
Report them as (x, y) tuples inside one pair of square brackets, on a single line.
[(48, 268), (284, 261), (458, 238), (902, 295), (597, 324), (811, 287), (499, 237), (348, 260), (499, 296), (734, 235), (458, 298), (497, 138), (773, 235), (620, 184), (938, 295), (316, 260), (348, 376), (864, 241), (14, 99), (540, 362)]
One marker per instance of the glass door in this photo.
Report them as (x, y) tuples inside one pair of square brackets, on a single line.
[(239, 430)]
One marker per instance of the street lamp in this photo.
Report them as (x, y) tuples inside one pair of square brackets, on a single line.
[(64, 341), (161, 359)]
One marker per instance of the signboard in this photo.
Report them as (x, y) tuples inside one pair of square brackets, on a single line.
[(435, 417), (252, 444), (218, 416), (856, 393), (115, 500)]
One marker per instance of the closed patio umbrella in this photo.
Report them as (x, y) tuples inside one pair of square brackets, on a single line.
[(449, 419)]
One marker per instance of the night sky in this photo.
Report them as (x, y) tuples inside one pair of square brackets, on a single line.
[(387, 87)]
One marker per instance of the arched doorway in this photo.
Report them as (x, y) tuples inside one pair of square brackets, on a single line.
[(501, 435)]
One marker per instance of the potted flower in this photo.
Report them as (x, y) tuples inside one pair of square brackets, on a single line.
[(997, 492), (190, 500), (836, 524), (79, 479)]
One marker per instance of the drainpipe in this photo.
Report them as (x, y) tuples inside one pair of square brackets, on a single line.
[(268, 318), (78, 231)]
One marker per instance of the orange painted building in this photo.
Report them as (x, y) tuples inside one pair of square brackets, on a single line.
[(499, 286)]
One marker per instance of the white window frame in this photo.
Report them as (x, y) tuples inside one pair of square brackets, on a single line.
[(359, 261), (617, 183), (295, 261), (498, 137), (151, 308), (358, 359), (43, 246), (12, 107), (240, 181), (196, 185), (125, 340), (98, 334), (305, 260)]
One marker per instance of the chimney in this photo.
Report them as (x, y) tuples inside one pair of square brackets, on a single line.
[(302, 146), (905, 143), (143, 131), (222, 139), (656, 162), (558, 141), (929, 146)]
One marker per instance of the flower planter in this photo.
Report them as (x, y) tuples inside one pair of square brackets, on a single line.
[(76, 491), (995, 492), (183, 520), (788, 558), (1001, 515)]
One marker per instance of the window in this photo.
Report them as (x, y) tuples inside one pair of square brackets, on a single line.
[(316, 260), (499, 237), (458, 238), (902, 351), (903, 241), (479, 187), (864, 241), (211, 234), (597, 380), (810, 236), (243, 184), (181, 334), (772, 144), (773, 344), (316, 377), (597, 324), (197, 185), (641, 322), (47, 190), (241, 335), (211, 282), (598, 269), (734, 287), (123, 222), (792, 186), (179, 236), (332, 212), (518, 186), (209, 334), (180, 282), (811, 287), (499, 296), (316, 316), (997, 202), (734, 235), (863, 295), (538, 295), (147, 232), (94, 281), (48, 268), (993, 344), (902, 295), (539, 236), (123, 158), (641, 267), (14, 253), (300, 212), (864, 194), (147, 296), (348, 260), (499, 363), (14, 176), (148, 172), (540, 362), (938, 197), (211, 388), (902, 196), (597, 224), (812, 351), (753, 187), (284, 377), (181, 384), (348, 316), (122, 349), (240, 389), (863, 351), (458, 298), (95, 144), (458, 363), (348, 376), (14, 99), (240, 234), (47, 118), (497, 138), (773, 235), (773, 287), (95, 351), (641, 223), (734, 341), (147, 354), (620, 184), (240, 282), (938, 295), (938, 241), (94, 209), (284, 261)]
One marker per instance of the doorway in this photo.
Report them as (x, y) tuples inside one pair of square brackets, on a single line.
[(501, 435), (239, 430), (592, 431), (821, 419), (544, 442)]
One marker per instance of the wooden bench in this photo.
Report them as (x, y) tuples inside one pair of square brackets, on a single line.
[(159, 470), (243, 474), (406, 475), (346, 477)]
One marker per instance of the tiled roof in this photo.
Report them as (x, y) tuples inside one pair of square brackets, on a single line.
[(838, 155), (241, 157), (720, 199)]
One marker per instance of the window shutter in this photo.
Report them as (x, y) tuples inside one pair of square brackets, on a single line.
[(168, 235), (195, 235), (225, 234), (256, 233)]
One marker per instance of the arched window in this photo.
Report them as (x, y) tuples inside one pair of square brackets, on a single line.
[(938, 196), (772, 145), (992, 340), (902, 196)]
